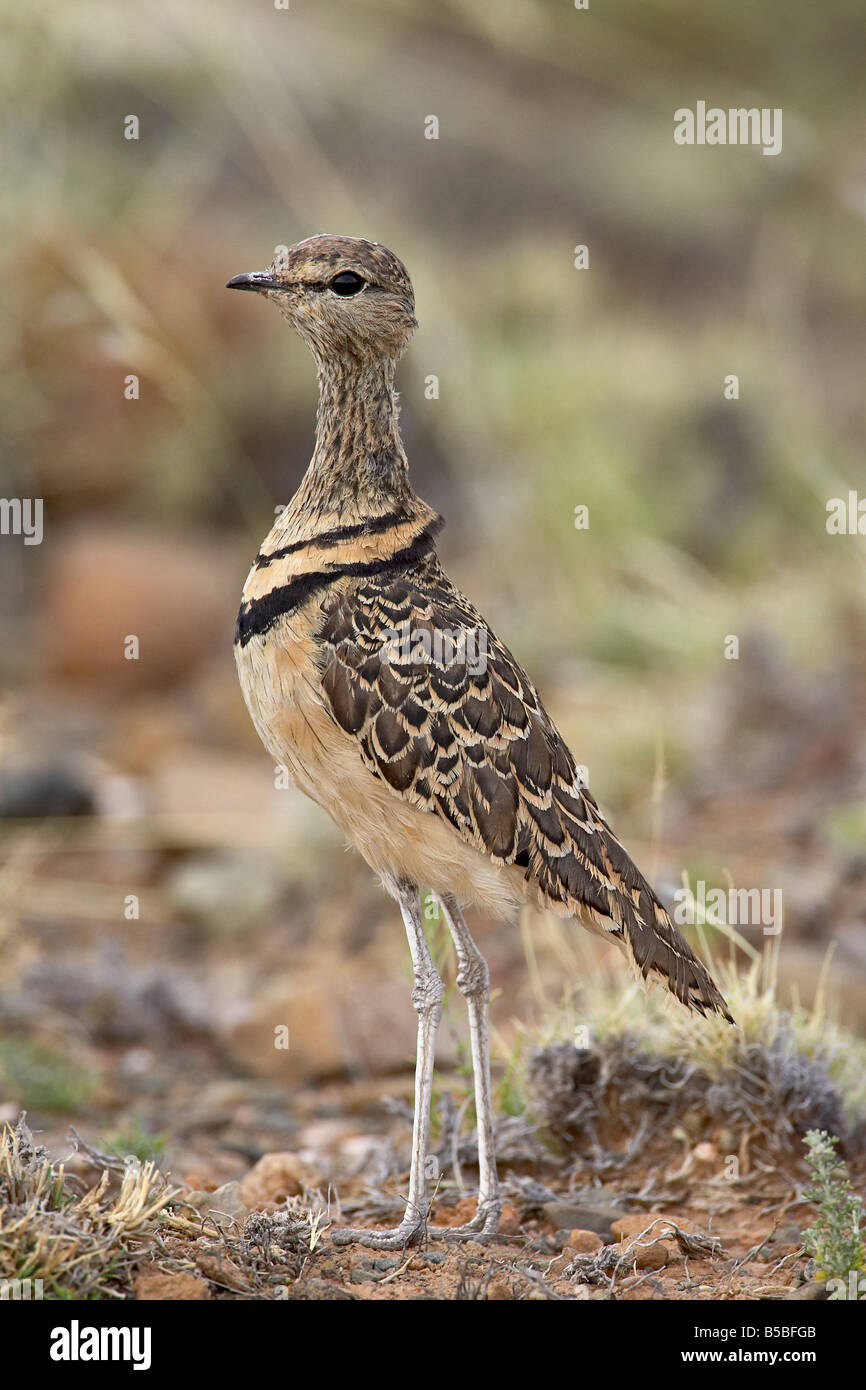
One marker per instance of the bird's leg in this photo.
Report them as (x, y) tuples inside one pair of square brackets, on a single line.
[(473, 981), (427, 1000)]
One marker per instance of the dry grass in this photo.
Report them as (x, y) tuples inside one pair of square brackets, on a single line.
[(782, 1071), (80, 1244)]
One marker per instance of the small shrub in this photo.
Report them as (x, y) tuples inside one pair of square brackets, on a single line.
[(835, 1240)]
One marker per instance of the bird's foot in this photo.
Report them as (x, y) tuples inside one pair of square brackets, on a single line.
[(409, 1232), (484, 1223)]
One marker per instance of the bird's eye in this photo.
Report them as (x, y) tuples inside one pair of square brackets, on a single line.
[(346, 283)]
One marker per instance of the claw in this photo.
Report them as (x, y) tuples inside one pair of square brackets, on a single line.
[(484, 1223), (407, 1233)]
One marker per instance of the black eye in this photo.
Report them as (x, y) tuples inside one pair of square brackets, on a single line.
[(346, 283)]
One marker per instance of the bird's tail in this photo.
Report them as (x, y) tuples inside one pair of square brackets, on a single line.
[(657, 949), (597, 882)]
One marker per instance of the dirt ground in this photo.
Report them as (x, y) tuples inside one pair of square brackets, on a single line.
[(252, 1208), (194, 971)]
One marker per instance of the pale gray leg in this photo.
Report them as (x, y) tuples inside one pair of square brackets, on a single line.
[(473, 981), (427, 1000)]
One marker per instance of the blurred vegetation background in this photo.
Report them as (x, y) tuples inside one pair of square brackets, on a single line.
[(143, 780)]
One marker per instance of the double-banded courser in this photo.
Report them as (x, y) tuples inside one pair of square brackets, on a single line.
[(397, 709)]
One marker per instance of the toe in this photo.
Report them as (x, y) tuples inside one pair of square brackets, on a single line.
[(407, 1233)]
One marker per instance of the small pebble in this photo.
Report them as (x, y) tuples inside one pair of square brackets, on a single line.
[(651, 1256), (584, 1242)]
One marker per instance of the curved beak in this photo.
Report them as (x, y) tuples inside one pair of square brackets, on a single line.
[(255, 280)]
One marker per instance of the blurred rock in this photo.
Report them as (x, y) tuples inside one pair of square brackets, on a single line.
[(217, 1104), (654, 1256), (108, 582), (197, 1197), (275, 1177), (227, 1200), (304, 1013), (629, 1227), (592, 1214), (337, 1024), (584, 1242), (813, 1292), (46, 791), (218, 1266)]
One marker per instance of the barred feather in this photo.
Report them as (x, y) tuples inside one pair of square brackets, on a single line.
[(478, 750)]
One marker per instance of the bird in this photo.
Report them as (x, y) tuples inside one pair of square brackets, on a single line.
[(394, 706)]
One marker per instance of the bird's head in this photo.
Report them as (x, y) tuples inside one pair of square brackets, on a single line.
[(346, 297)]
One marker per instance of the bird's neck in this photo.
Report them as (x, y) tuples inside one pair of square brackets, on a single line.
[(359, 465)]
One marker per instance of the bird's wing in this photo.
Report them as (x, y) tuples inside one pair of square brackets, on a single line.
[(444, 714)]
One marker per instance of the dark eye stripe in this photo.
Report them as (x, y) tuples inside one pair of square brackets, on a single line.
[(319, 286)]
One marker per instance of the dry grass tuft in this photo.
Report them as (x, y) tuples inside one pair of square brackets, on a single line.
[(650, 1067), (81, 1245)]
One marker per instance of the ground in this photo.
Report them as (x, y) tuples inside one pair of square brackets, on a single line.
[(205, 977), (247, 1216)]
